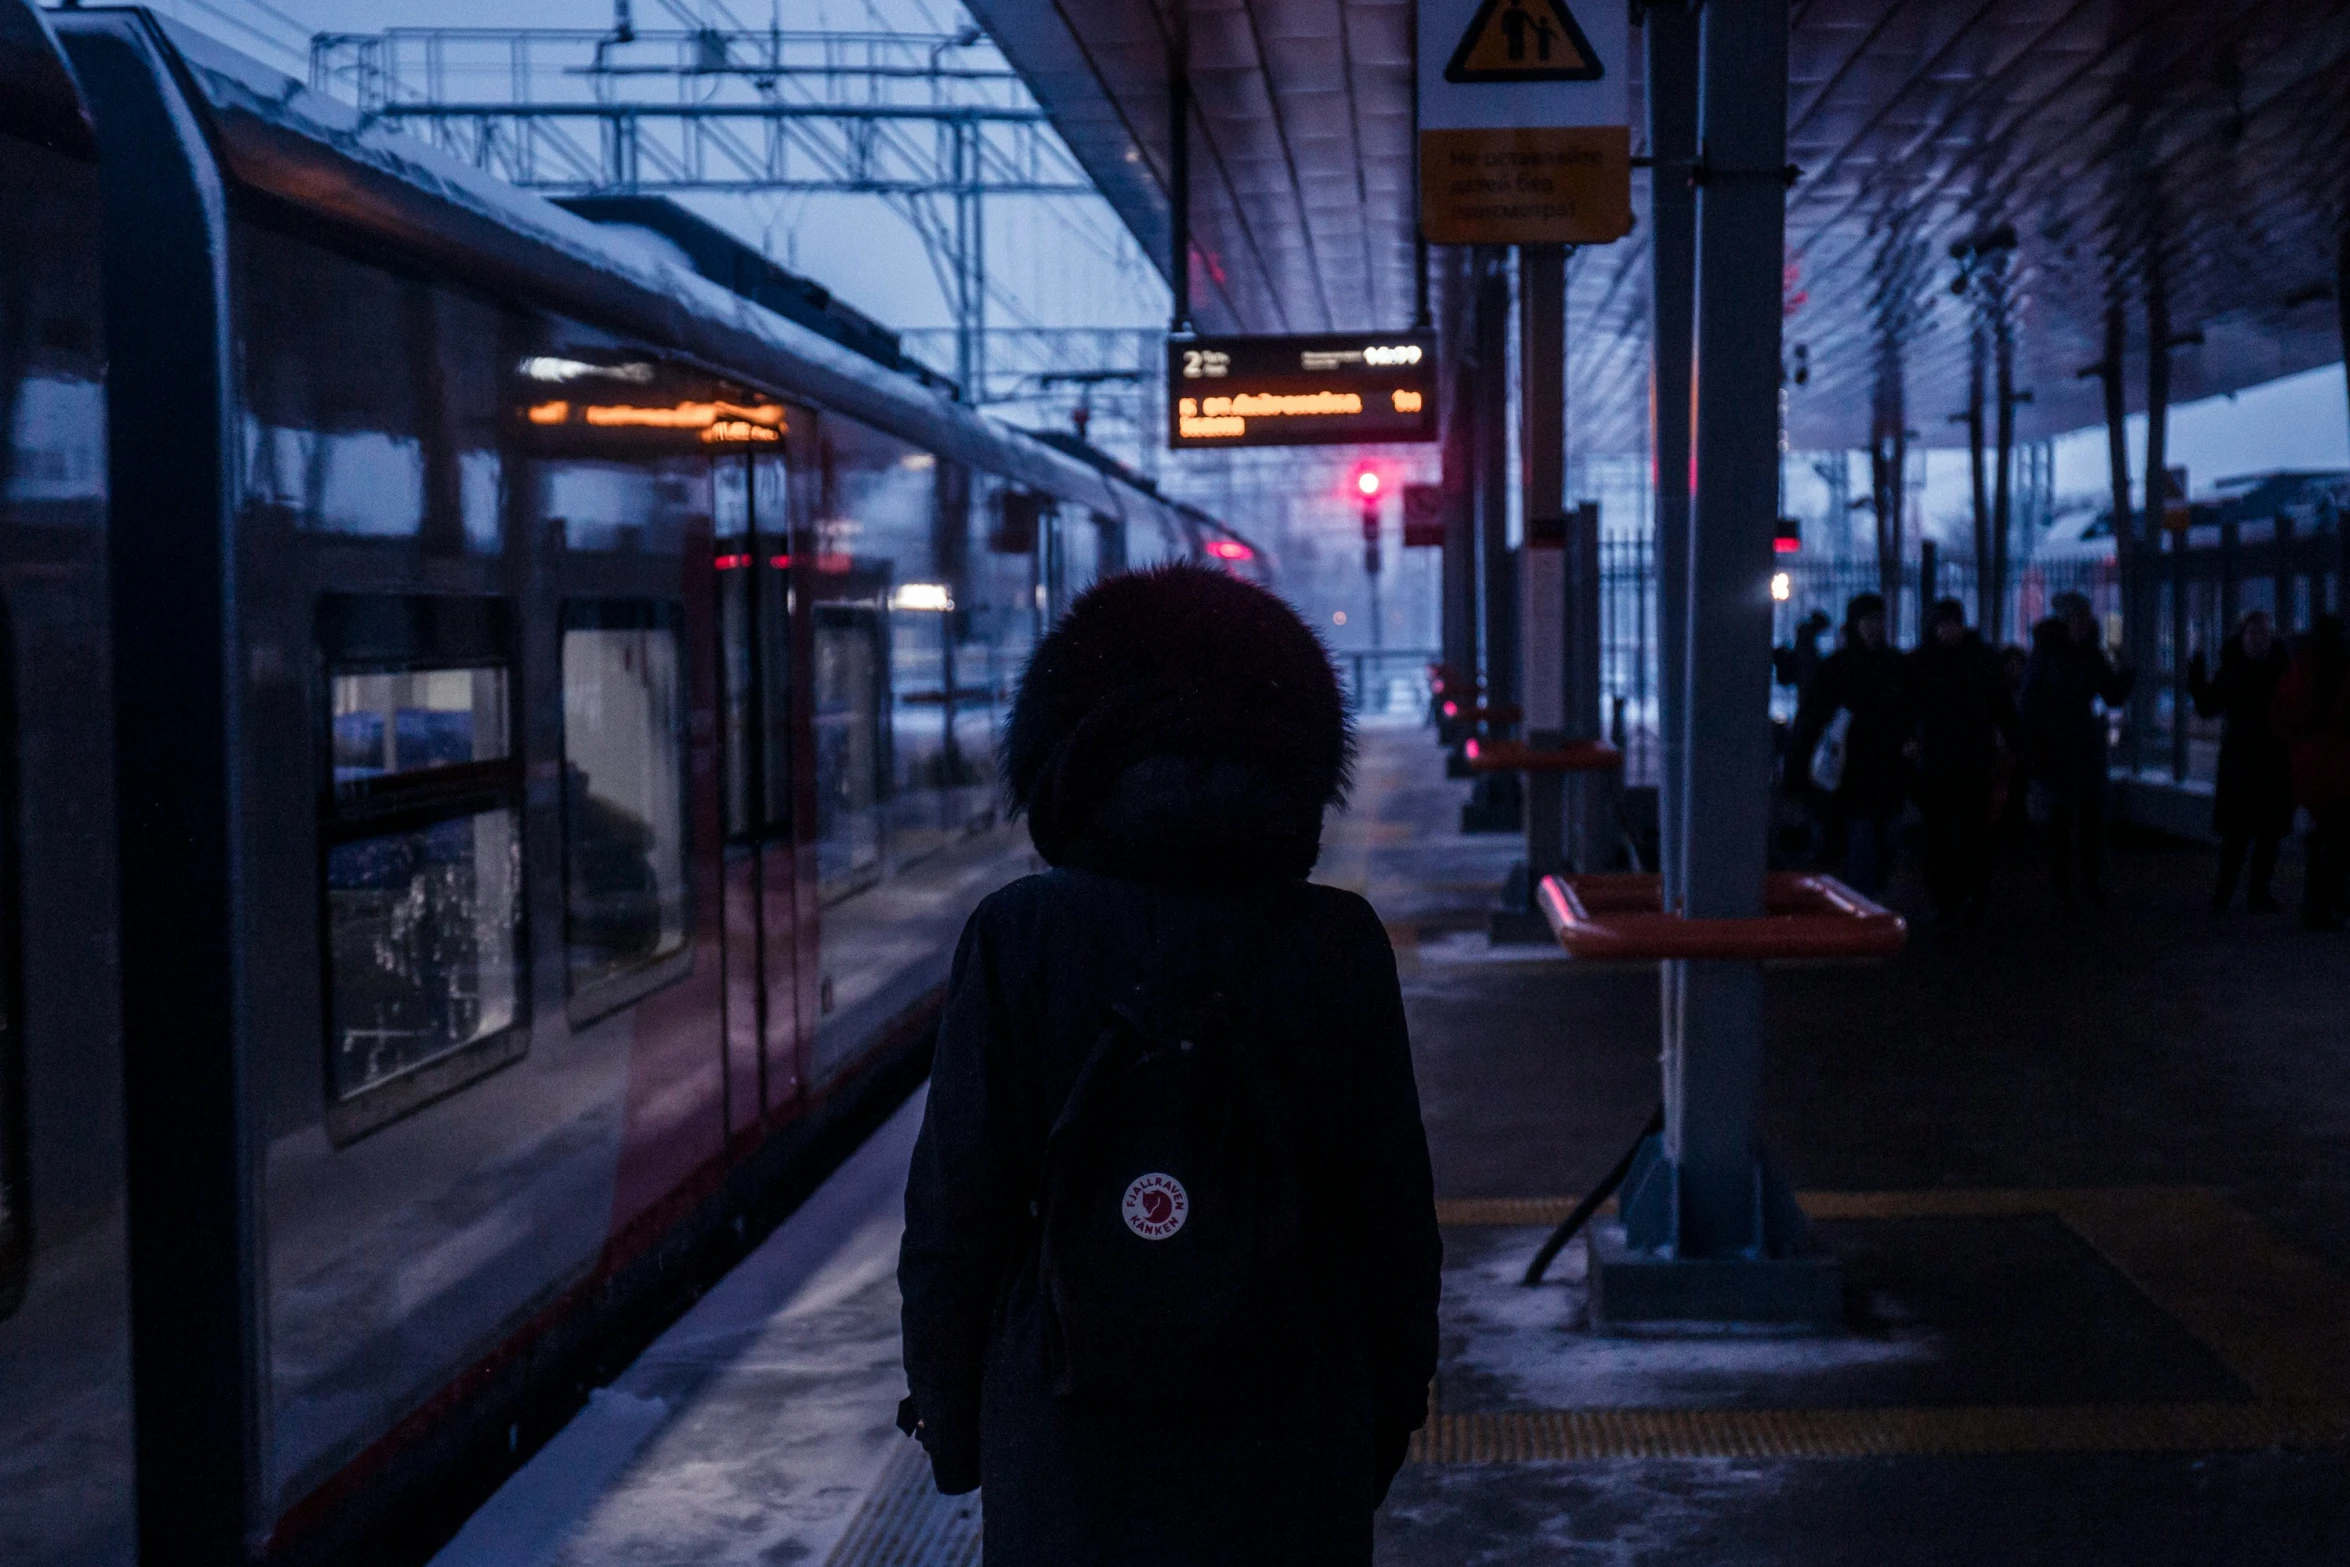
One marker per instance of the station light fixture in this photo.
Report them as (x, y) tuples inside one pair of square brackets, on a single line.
[(1782, 587), (931, 596)]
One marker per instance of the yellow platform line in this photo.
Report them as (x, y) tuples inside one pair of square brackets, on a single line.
[(2276, 1317)]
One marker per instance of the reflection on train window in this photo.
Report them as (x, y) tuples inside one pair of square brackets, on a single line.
[(851, 683), (370, 401), (405, 721), (423, 851), (423, 922), (623, 799), (628, 508)]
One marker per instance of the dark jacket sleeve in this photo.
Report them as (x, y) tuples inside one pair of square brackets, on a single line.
[(2114, 682), (2210, 694), (959, 1208), (1404, 1257)]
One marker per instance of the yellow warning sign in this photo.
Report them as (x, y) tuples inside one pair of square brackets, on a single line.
[(1558, 185), (1524, 41)]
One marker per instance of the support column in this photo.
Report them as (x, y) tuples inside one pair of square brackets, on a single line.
[(2179, 701), (1542, 568), (1460, 535), (2140, 637), (1994, 621), (2117, 460), (1709, 1235), (1591, 797), (1496, 802), (1977, 434), (1458, 484), (1671, 30), (1493, 461)]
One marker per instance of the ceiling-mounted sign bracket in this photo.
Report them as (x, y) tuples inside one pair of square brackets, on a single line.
[(1525, 122)]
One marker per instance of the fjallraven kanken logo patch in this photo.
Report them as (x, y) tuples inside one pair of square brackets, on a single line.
[(1155, 1206)]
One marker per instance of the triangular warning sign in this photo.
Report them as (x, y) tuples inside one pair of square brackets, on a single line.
[(1524, 41)]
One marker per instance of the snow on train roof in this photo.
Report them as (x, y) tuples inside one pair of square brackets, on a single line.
[(325, 156)]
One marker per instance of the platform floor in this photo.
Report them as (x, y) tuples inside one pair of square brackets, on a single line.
[(2090, 1178)]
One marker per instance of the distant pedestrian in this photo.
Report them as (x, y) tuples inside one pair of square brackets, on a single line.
[(2252, 801), (2070, 673), (1171, 1264), (1960, 698), (1798, 663), (2313, 713), (1846, 748)]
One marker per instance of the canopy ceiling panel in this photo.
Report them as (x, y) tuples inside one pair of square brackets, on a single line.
[(2185, 150)]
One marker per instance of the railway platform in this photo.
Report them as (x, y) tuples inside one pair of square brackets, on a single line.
[(2094, 1223)]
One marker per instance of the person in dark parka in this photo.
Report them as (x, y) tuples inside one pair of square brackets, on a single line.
[(2313, 712), (1174, 743), (1964, 712), (1862, 677), (2069, 674), (2252, 801)]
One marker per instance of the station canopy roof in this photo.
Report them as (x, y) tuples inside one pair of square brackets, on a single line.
[(2203, 145)]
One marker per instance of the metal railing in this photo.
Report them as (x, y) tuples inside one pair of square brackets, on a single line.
[(2198, 585)]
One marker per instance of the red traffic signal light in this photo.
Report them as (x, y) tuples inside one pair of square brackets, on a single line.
[(1367, 483)]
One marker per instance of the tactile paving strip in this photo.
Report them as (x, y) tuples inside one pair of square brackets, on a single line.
[(1567, 1435), (906, 1523), (2277, 1318)]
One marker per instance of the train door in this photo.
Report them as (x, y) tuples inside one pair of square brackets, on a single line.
[(761, 896), (739, 708)]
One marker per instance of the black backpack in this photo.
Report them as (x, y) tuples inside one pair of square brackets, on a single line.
[(1169, 1215)]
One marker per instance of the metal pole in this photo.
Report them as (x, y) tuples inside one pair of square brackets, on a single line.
[(1976, 393), (2178, 657), (2154, 498), (1715, 1201), (1501, 591), (1672, 141), (2117, 458), (2003, 489), (1179, 174)]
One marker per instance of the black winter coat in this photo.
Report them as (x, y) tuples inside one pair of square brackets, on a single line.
[(2062, 728), (1960, 698), (1867, 682), (1290, 1473), (2254, 789)]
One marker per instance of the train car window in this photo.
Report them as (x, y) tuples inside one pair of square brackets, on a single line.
[(851, 649), (371, 401), (623, 507), (881, 535), (624, 800), (422, 829)]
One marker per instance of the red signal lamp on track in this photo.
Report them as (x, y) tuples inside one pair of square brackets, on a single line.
[(1367, 483)]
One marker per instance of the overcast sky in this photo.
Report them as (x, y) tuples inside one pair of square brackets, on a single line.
[(1070, 264)]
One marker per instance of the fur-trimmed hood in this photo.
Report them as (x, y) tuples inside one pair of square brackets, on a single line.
[(1179, 725)]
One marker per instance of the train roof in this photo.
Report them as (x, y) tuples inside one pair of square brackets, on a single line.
[(325, 158), (39, 101)]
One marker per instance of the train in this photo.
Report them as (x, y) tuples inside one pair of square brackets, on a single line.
[(496, 747)]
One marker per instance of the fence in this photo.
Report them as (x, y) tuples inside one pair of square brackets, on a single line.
[(1628, 619)]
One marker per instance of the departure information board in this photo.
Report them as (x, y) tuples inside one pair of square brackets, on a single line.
[(1334, 390)]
